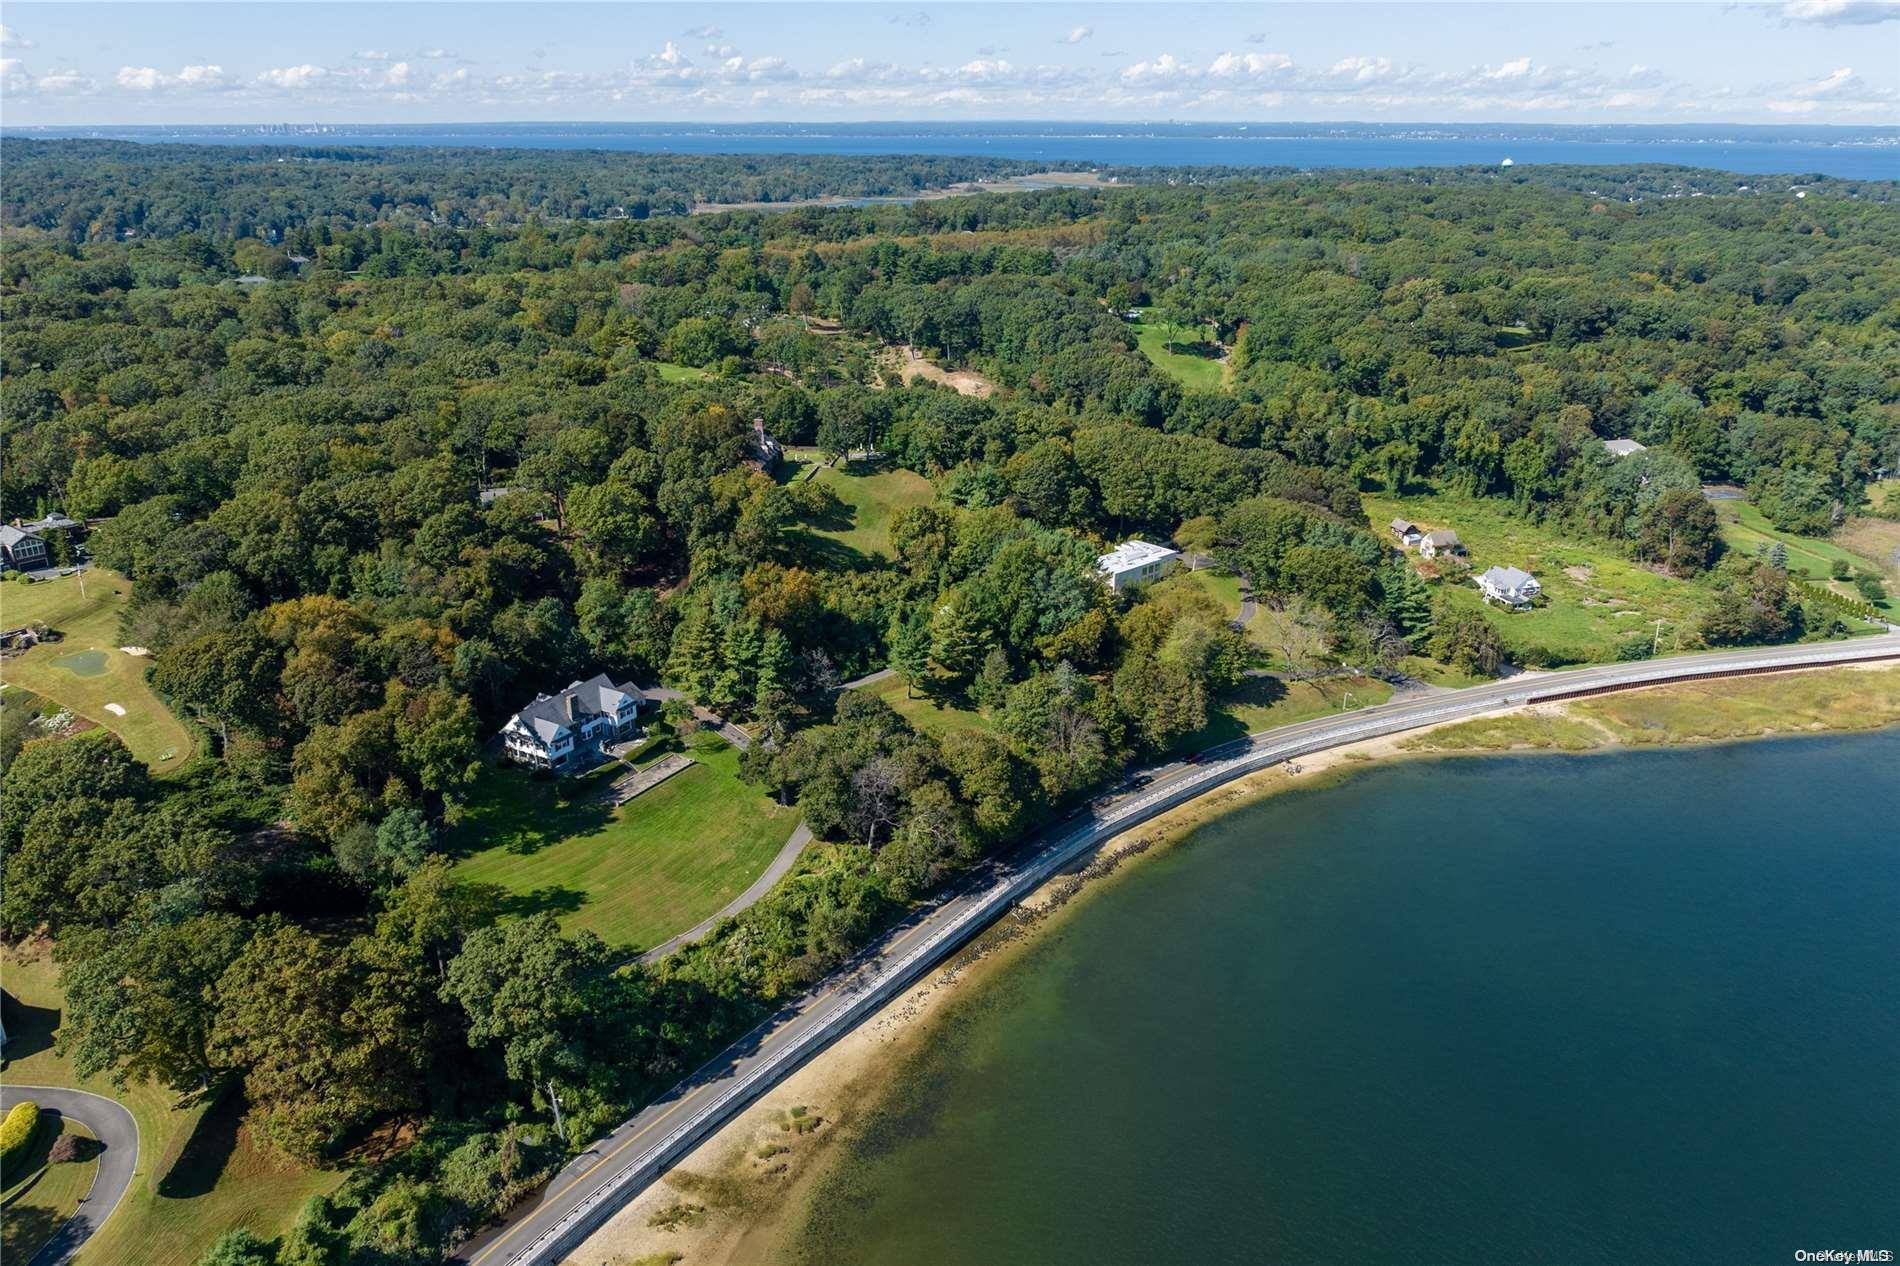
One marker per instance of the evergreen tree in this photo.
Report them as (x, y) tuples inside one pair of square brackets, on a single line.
[(991, 686), (910, 651), (1408, 602), (736, 684), (957, 641), (775, 668), (695, 658)]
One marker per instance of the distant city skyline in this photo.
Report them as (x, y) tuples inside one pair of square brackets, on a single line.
[(1800, 61)]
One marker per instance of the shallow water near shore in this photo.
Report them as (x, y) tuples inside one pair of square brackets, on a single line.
[(1599, 1009)]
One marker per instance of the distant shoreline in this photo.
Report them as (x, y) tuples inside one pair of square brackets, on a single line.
[(750, 1209), (1026, 183)]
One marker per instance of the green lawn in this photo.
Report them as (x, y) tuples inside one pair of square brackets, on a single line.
[(38, 1197), (87, 670), (871, 498), (934, 716), (635, 874), (1261, 703), (670, 372), (199, 1174), (1745, 529), (1593, 598), (1167, 345)]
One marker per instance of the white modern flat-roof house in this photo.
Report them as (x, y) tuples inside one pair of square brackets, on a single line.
[(1136, 562), (567, 732), (1509, 586)]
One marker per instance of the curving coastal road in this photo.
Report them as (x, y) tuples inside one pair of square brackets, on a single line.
[(617, 1167), (113, 1126)]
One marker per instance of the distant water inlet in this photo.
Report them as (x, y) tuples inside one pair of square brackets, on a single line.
[(1608, 1009)]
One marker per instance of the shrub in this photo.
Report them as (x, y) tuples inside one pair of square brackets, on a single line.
[(240, 1248), (17, 1131)]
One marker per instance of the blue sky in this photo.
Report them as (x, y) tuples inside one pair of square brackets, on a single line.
[(1787, 61)]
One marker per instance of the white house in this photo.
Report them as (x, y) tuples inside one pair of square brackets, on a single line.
[(1509, 586), (1136, 562), (1407, 531), (1623, 448), (1443, 541), (566, 732)]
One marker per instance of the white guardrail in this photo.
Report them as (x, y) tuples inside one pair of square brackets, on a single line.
[(586, 1216)]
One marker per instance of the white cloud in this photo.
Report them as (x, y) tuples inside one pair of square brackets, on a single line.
[(63, 83), (293, 78), (1363, 69), (1792, 107), (1518, 69), (10, 38), (1164, 69), (373, 55), (195, 78), (1077, 35), (710, 31), (436, 55), (1841, 12), (1247, 65), (1843, 78)]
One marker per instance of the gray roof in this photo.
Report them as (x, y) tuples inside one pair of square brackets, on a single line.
[(1444, 536), (1623, 448), (1404, 525), (548, 715), (1507, 577), (11, 536)]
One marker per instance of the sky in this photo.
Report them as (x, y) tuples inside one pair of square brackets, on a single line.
[(1780, 61)]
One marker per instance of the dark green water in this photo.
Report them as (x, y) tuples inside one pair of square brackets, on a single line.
[(1609, 1009)]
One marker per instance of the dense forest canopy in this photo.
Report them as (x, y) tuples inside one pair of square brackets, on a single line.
[(93, 189), (289, 468)]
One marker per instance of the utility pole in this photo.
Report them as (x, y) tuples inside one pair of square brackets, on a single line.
[(1655, 645)]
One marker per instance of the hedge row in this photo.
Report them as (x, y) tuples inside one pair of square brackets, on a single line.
[(16, 1131)]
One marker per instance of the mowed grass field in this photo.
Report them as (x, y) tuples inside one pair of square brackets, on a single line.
[(669, 372), (1159, 340), (37, 1197), (871, 498), (1745, 530), (1594, 599), (633, 874), (87, 670), (199, 1174), (934, 716)]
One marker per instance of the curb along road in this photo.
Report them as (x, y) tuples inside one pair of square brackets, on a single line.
[(621, 1165)]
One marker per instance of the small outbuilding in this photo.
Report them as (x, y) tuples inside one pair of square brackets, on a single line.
[(1407, 531), (1509, 586), (1136, 562), (1444, 541)]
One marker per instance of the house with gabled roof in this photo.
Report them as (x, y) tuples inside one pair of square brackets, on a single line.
[(569, 732), (1509, 586), (1444, 541)]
